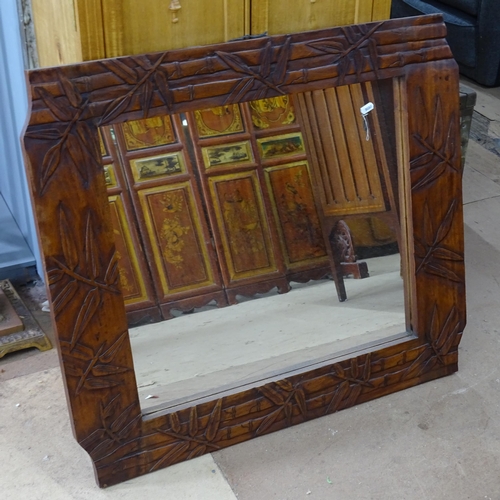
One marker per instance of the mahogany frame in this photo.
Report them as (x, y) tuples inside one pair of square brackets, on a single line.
[(71, 208)]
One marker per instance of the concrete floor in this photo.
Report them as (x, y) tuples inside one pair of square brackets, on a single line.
[(440, 440)]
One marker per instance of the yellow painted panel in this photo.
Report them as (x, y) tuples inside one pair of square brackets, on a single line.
[(132, 284), (57, 42), (381, 9), (288, 16), (133, 27), (175, 232)]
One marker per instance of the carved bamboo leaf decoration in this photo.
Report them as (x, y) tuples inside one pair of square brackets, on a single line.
[(438, 130), (272, 394), (71, 91), (147, 95), (337, 396), (300, 398), (89, 308), (64, 296), (214, 421), (171, 456), (120, 69), (279, 73), (60, 111), (268, 421), (266, 59), (109, 355), (164, 89), (91, 252), (193, 422), (432, 256), (117, 107), (174, 422)]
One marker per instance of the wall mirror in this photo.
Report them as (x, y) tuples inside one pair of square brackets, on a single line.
[(244, 124)]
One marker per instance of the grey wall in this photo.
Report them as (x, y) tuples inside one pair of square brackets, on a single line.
[(13, 111)]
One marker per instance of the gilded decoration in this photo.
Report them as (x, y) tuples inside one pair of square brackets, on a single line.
[(102, 146), (109, 176), (148, 133), (158, 166), (243, 222), (282, 145), (221, 120), (272, 112), (237, 152), (173, 231), (130, 277)]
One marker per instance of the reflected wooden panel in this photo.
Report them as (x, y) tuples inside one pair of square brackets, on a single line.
[(296, 215), (135, 278)]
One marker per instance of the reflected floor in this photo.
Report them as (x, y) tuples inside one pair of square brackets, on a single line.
[(198, 352)]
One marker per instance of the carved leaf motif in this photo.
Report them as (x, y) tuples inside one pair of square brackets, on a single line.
[(235, 63), (335, 47), (87, 311), (268, 422), (353, 396), (266, 59), (433, 257), (116, 108), (61, 112), (120, 69), (193, 422), (174, 422), (147, 95), (71, 91), (272, 394), (115, 429), (197, 452), (64, 296), (214, 421), (347, 54), (50, 134), (112, 272), (279, 73), (78, 155), (50, 162), (301, 401), (437, 146), (164, 89), (91, 252), (94, 371), (88, 144), (240, 89), (55, 275), (171, 456), (109, 355), (337, 397), (100, 383)]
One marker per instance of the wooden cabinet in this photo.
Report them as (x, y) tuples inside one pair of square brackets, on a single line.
[(288, 16), (95, 29)]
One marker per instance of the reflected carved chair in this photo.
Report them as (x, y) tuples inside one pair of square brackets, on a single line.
[(351, 172)]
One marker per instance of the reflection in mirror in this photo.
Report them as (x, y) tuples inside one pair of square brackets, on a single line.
[(229, 205)]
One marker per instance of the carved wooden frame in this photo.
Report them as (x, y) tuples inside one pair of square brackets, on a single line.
[(71, 208)]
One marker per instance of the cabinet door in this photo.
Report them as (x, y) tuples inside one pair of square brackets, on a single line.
[(287, 16), (135, 280), (132, 27), (170, 215)]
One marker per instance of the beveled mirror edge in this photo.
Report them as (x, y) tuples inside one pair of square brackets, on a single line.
[(68, 103)]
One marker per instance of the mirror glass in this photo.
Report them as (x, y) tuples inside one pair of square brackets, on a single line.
[(229, 223)]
